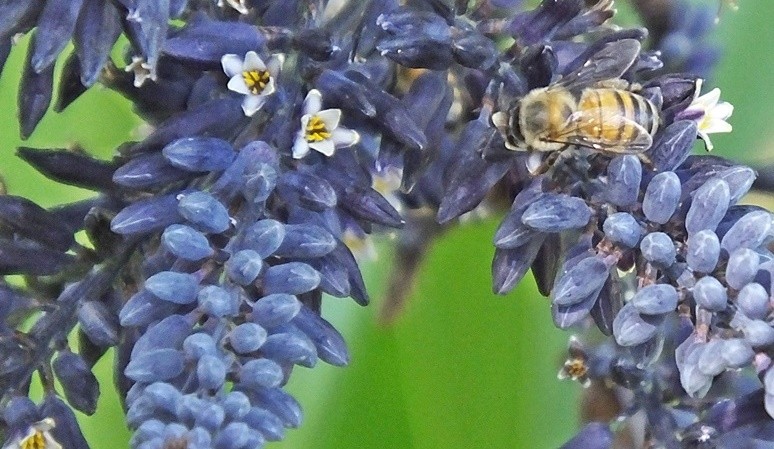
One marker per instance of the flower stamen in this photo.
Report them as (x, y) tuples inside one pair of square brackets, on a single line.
[(316, 131), (256, 80)]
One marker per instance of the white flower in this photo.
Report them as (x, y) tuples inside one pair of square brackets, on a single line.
[(320, 130), (239, 5), (142, 71), (38, 436), (252, 78), (712, 115)]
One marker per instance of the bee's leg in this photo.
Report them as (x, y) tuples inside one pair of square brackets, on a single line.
[(645, 160)]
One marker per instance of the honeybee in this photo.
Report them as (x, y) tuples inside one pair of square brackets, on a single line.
[(591, 107)]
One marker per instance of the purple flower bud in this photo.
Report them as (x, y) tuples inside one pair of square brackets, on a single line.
[(661, 197), (281, 404), (155, 365), (267, 423), (655, 299), (750, 231), (709, 205), (204, 211), (624, 174), (328, 342), (186, 242), (78, 382), (554, 212), (622, 228), (710, 294), (217, 302), (293, 278), (98, 323), (211, 372), (199, 344), (247, 337), (179, 288), (658, 249), (275, 310), (703, 251), (259, 373), (147, 216), (630, 329), (580, 280), (742, 267), (199, 154), (753, 301)]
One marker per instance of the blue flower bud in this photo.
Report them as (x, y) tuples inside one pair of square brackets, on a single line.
[(554, 212), (624, 174), (247, 337), (307, 189), (306, 241), (186, 243), (98, 323), (710, 294), (673, 145), (580, 280), (328, 342), (737, 353), (244, 266), (742, 267), (510, 265), (753, 301), (199, 438), (623, 229), (148, 172), (750, 231), (259, 183), (217, 302), (152, 428), (162, 395), (739, 179), (198, 345), (757, 332), (630, 329), (661, 197), (144, 308), (263, 237), (658, 249), (210, 416), (233, 436), (188, 408), (204, 211), (35, 93), (703, 251), (179, 288), (281, 404), (655, 299), (261, 373), (147, 216), (32, 221), (199, 154), (97, 29), (205, 41), (709, 205), (290, 347), (155, 365), (416, 39), (275, 310), (266, 422), (711, 361), (472, 49), (293, 277), (211, 372), (55, 27), (236, 405), (695, 382), (78, 382), (592, 436)]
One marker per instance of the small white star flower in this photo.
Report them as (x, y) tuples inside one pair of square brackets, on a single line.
[(38, 436), (320, 130), (252, 78), (142, 71), (238, 5), (712, 113)]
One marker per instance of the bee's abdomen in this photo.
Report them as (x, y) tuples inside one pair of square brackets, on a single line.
[(604, 103)]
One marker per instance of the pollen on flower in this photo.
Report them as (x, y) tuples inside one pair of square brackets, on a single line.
[(256, 80), (39, 437), (316, 131)]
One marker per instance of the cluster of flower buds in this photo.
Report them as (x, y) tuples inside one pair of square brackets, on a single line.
[(276, 126)]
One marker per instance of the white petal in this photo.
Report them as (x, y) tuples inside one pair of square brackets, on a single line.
[(500, 121), (252, 103), (313, 102), (270, 88), (237, 84), (325, 147), (707, 141), (304, 121), (343, 137), (300, 147), (253, 62), (723, 110), (274, 64), (232, 64), (330, 117), (709, 100), (717, 126)]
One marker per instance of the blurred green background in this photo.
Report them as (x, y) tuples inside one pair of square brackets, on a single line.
[(461, 367)]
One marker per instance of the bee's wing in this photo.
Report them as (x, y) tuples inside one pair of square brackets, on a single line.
[(614, 133), (610, 62)]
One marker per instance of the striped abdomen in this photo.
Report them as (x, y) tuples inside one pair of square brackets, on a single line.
[(602, 107)]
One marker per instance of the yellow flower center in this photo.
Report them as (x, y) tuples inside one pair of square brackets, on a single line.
[(316, 130), (576, 367), (34, 441), (256, 80)]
